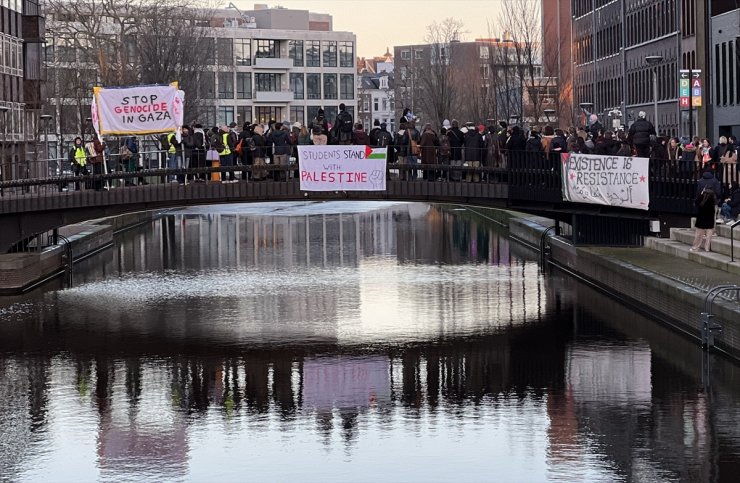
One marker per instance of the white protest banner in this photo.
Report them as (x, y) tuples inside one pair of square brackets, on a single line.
[(138, 110), (606, 180), (342, 168)]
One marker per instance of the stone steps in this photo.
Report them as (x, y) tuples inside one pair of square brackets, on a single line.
[(719, 257)]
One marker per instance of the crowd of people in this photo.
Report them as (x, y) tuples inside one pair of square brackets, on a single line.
[(494, 144)]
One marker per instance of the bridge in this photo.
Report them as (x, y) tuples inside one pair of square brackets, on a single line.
[(33, 206)]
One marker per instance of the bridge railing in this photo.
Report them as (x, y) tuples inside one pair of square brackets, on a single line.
[(531, 177)]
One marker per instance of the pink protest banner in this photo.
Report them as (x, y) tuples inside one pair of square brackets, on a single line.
[(342, 168)]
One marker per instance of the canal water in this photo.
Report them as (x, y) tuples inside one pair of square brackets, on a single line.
[(348, 342)]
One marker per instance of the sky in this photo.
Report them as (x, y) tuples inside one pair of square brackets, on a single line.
[(381, 23)]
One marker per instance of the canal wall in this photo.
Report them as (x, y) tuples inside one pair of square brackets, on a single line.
[(21, 272), (673, 302)]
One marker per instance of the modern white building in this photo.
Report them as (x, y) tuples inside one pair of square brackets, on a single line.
[(282, 64), (260, 64)]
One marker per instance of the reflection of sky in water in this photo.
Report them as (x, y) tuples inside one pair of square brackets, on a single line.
[(393, 342)]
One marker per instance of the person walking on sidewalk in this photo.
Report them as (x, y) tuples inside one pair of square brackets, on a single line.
[(706, 202)]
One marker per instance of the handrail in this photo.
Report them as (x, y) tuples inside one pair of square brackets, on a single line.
[(543, 243), (732, 239), (709, 328), (70, 260)]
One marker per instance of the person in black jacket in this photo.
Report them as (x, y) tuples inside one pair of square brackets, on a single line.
[(279, 139), (245, 158), (258, 156), (473, 151), (342, 129), (731, 206), (515, 146), (639, 135), (457, 139)]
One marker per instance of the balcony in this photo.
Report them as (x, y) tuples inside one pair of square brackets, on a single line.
[(278, 97), (275, 64)]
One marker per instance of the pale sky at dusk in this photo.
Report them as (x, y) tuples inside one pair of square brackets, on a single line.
[(381, 23)]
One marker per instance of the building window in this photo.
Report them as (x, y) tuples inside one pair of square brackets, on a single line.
[(225, 85), (365, 104), (208, 44), (484, 52), (313, 86), (346, 54), (384, 82), (297, 114), (330, 54), (296, 85), (225, 51), (375, 104), (267, 49), (313, 55), (330, 86), (296, 52), (405, 54), (384, 104), (266, 114), (207, 85), (243, 85), (243, 48), (347, 86), (267, 82), (208, 116), (244, 114), (418, 54), (224, 115)]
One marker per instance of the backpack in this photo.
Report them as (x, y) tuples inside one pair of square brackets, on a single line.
[(444, 145), (250, 144), (383, 139), (165, 142), (217, 142), (345, 122), (415, 149), (239, 147)]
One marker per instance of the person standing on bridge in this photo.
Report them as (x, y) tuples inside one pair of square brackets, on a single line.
[(640, 133), (342, 129), (174, 156), (78, 160), (706, 202)]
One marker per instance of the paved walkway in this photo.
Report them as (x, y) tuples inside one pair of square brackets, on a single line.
[(678, 269)]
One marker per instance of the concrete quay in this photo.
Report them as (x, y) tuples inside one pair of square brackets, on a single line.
[(662, 279), (23, 271)]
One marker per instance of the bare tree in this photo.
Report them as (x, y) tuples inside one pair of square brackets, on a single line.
[(127, 42), (516, 59), (427, 79)]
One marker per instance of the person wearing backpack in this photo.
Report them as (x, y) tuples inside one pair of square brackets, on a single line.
[(244, 149), (444, 149), (342, 129), (374, 133)]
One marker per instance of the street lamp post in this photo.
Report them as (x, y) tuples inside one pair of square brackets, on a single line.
[(654, 60)]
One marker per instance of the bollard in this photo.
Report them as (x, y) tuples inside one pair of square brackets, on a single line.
[(216, 175)]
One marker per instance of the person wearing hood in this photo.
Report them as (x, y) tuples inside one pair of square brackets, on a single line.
[(374, 132), (515, 146), (279, 138), (197, 144), (457, 140), (473, 151), (708, 180), (640, 133), (428, 145)]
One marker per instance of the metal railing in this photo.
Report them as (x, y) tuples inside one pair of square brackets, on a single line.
[(709, 328)]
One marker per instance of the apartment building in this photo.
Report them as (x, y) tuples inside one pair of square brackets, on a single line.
[(260, 64), (21, 86)]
